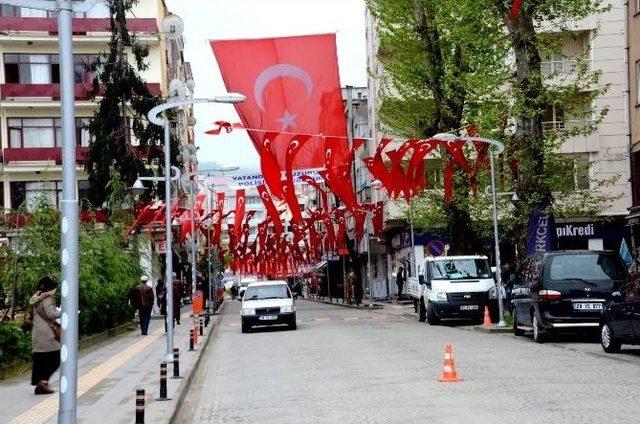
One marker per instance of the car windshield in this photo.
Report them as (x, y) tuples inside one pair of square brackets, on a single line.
[(594, 267), (460, 269), (279, 291)]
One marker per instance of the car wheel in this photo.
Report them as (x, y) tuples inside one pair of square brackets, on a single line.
[(293, 325), (246, 328), (422, 313), (431, 315), (538, 335), (415, 305), (609, 343), (516, 331)]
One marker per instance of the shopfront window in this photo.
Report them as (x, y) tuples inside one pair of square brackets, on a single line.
[(44, 132)]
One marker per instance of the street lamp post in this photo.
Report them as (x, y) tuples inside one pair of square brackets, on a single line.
[(499, 148), (154, 118), (69, 205)]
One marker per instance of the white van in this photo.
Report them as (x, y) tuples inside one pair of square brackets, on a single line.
[(268, 303), (453, 287)]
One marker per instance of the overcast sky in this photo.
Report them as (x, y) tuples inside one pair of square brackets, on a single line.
[(229, 19)]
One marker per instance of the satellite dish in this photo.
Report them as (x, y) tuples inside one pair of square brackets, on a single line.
[(172, 26), (191, 121), (177, 90)]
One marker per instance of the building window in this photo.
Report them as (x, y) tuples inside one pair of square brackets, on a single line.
[(30, 192), (44, 132), (434, 173), (43, 68), (554, 119), (574, 171), (100, 10)]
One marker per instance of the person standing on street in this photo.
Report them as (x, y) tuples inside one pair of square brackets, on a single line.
[(45, 335), (177, 298), (400, 278), (142, 299)]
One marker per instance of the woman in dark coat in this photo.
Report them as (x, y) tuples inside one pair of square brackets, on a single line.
[(44, 341)]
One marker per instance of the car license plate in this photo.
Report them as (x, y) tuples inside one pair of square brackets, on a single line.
[(469, 307), (268, 318), (593, 306)]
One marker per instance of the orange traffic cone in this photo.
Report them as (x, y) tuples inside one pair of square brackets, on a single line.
[(487, 318), (449, 374)]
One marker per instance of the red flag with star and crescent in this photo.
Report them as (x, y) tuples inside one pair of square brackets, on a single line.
[(292, 85)]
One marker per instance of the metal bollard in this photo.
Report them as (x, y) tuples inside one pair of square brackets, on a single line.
[(163, 382), (176, 363), (139, 406), (191, 339), (206, 320), (201, 327)]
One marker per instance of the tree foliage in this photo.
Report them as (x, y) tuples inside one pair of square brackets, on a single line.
[(446, 64), (122, 111)]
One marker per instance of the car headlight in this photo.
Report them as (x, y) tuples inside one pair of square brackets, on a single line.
[(247, 311), (440, 295), (287, 308)]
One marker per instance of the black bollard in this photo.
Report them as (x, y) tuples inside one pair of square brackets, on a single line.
[(191, 339), (176, 363), (206, 320), (139, 406), (163, 382), (201, 326)]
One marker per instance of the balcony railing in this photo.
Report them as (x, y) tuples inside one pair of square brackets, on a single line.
[(561, 126), (41, 154), (52, 91), (81, 26), (558, 66)]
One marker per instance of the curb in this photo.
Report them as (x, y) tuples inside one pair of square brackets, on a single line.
[(186, 381), (493, 329), (346, 305)]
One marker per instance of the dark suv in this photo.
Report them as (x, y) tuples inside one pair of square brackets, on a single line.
[(564, 290)]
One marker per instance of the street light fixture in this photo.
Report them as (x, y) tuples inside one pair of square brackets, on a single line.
[(499, 148), (154, 118)]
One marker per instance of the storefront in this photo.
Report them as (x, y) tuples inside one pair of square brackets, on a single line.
[(604, 234)]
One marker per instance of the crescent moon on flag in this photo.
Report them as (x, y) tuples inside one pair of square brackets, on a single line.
[(277, 71)]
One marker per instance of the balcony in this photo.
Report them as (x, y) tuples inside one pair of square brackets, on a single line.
[(575, 144), (41, 154), (54, 154), (14, 91), (558, 66), (81, 26)]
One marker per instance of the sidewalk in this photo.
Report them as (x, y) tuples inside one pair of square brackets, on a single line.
[(109, 375)]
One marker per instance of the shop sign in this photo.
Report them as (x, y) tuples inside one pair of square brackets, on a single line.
[(576, 230)]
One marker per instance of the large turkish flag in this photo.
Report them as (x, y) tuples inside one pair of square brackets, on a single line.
[(292, 85)]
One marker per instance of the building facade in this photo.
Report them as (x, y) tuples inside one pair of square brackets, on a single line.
[(30, 126), (600, 155), (633, 60)]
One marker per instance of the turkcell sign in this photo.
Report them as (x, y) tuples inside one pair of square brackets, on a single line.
[(254, 180), (540, 234)]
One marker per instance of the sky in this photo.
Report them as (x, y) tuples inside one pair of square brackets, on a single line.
[(232, 19)]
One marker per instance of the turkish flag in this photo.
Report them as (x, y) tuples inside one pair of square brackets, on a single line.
[(292, 85), (239, 212)]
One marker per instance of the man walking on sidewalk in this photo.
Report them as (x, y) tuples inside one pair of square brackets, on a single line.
[(177, 298), (142, 299)]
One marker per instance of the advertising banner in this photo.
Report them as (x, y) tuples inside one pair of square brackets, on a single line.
[(541, 229)]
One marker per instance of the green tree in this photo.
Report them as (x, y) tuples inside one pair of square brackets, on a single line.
[(122, 111)]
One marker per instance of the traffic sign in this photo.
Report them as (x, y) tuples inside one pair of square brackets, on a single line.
[(436, 247)]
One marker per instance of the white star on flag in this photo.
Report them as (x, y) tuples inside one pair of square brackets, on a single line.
[(288, 120)]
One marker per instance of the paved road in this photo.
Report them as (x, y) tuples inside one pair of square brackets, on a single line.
[(352, 366)]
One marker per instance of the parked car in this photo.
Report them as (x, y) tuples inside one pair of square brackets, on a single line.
[(453, 287), (564, 291), (620, 323), (268, 303)]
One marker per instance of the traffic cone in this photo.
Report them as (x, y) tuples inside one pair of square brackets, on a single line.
[(487, 318), (449, 374)]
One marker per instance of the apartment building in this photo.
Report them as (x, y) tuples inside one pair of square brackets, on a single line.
[(633, 40), (603, 154), (30, 126)]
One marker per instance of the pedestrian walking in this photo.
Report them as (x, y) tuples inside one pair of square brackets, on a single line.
[(45, 335), (177, 298), (142, 300), (400, 279), (234, 291)]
